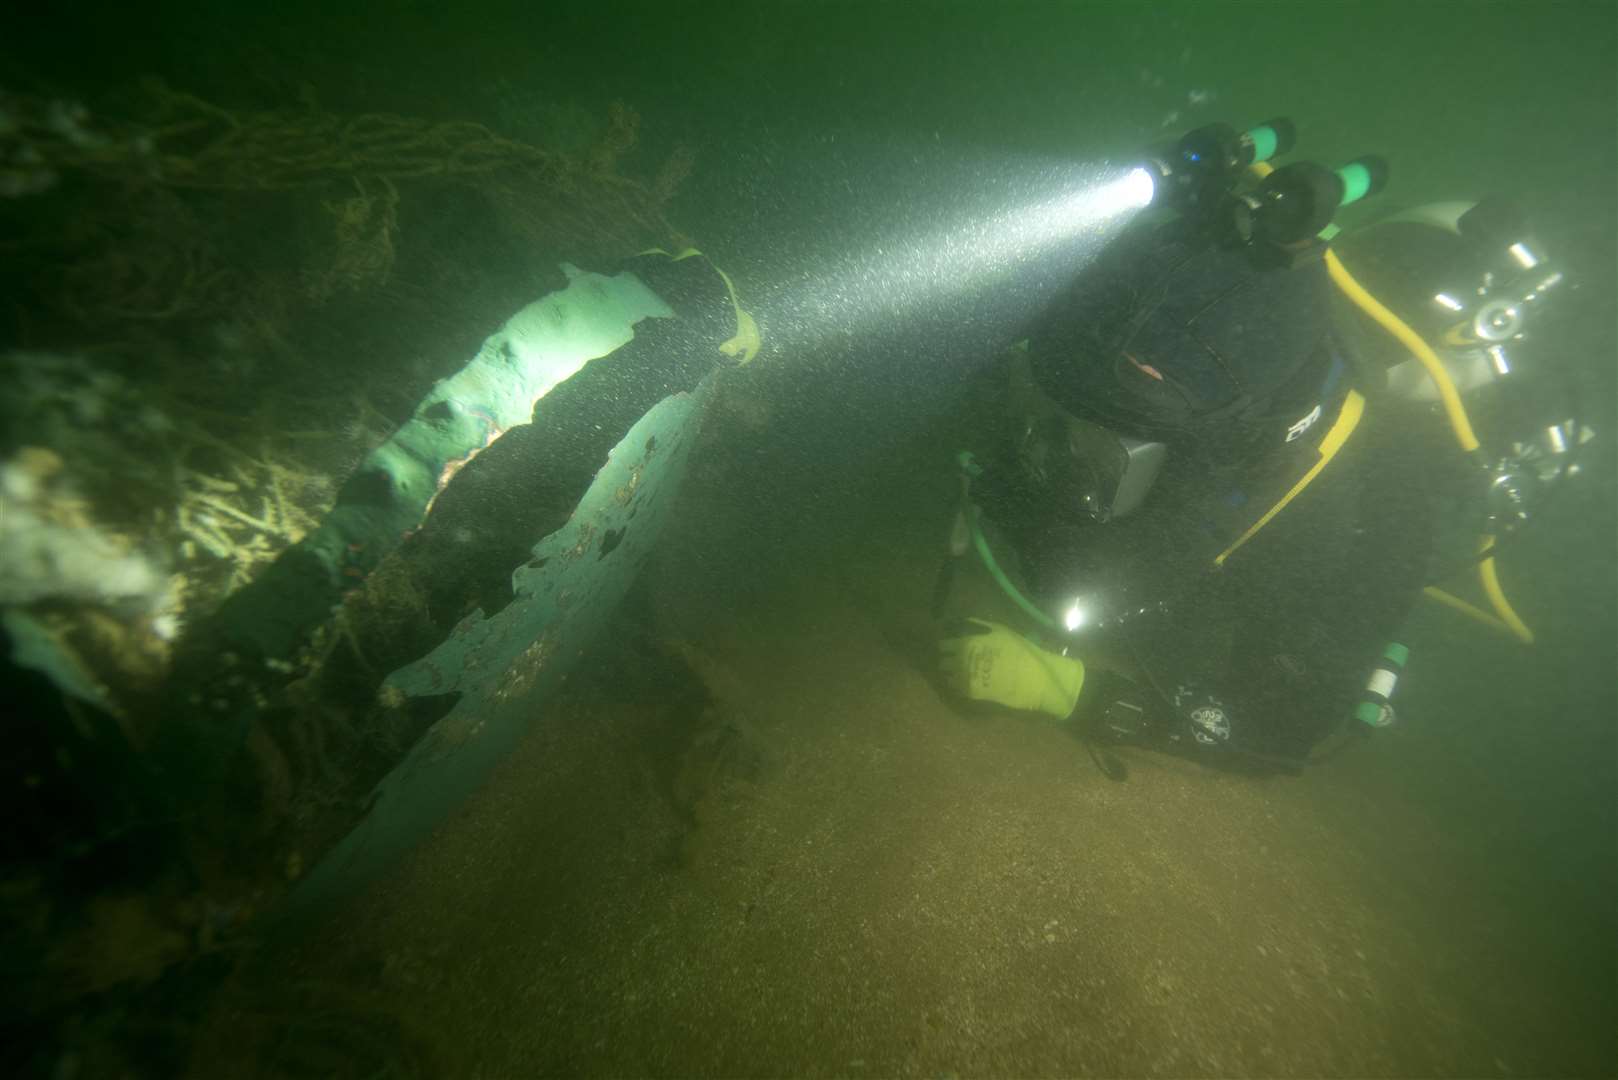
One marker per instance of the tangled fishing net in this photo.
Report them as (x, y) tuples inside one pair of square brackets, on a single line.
[(218, 312)]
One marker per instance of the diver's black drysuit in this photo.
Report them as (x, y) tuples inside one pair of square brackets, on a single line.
[(1239, 366)]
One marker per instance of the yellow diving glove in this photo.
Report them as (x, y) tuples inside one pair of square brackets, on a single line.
[(990, 662)]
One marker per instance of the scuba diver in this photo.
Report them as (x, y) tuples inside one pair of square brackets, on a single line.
[(1217, 475)]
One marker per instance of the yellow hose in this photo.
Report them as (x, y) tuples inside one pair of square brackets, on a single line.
[(1411, 340), (1402, 333), (1471, 611), (1488, 576), (1490, 580), (1459, 422)]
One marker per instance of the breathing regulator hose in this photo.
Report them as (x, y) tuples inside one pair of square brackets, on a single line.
[(1459, 422)]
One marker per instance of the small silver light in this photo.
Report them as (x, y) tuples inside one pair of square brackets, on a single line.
[(1074, 618), (1525, 258)]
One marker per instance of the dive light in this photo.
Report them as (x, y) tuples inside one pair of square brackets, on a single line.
[(1202, 167), (1200, 177)]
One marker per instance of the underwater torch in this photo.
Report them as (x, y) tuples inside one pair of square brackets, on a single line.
[(1205, 176), (1198, 171)]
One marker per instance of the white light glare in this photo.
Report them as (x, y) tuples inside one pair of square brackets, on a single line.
[(1525, 258), (1132, 191), (1498, 355), (1448, 301), (1074, 617)]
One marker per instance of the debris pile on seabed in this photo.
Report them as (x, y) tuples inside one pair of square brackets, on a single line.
[(215, 315)]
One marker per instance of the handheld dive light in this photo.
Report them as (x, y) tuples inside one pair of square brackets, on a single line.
[(1200, 169), (1199, 176)]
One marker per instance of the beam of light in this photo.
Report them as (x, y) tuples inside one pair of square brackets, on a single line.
[(962, 256), (1048, 225)]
